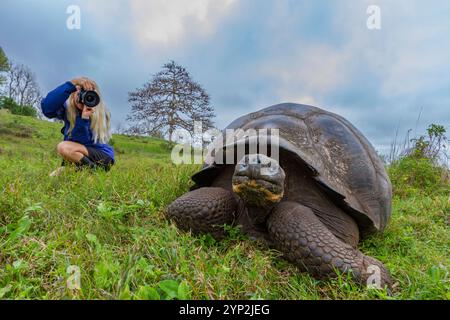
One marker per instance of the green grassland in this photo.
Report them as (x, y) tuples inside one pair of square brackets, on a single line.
[(112, 227)]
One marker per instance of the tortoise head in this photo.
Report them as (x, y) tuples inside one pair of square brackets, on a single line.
[(259, 180)]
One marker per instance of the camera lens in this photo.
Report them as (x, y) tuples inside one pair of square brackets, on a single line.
[(91, 99)]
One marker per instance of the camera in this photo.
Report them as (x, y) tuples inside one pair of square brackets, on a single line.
[(89, 98)]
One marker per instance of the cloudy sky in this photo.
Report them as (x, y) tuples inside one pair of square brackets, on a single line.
[(249, 54)]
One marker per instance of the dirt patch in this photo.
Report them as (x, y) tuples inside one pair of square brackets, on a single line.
[(17, 130)]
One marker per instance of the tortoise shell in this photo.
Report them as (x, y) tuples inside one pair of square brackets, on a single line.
[(341, 160)]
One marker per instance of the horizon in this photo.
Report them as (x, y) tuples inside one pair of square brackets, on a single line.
[(251, 54)]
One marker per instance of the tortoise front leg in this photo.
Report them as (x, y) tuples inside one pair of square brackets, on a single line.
[(205, 210), (306, 241)]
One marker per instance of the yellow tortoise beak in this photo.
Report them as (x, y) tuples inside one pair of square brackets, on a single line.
[(239, 188)]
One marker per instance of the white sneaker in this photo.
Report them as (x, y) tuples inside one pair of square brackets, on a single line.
[(57, 172)]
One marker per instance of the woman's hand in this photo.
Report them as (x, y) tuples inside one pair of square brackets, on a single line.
[(87, 112), (83, 83)]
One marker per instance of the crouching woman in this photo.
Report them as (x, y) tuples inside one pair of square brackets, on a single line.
[(86, 129)]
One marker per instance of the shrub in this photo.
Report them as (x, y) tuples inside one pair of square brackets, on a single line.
[(412, 175), (420, 166), (11, 105), (431, 146)]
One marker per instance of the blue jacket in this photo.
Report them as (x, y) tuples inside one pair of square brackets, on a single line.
[(54, 106)]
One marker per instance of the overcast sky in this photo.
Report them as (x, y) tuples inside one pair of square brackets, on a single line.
[(249, 54)]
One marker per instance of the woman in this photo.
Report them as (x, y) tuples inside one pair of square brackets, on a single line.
[(86, 130)]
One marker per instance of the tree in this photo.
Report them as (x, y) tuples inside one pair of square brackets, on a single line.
[(169, 101), (21, 86), (4, 65)]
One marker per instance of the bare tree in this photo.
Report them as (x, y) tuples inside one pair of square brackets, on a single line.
[(169, 101), (21, 86)]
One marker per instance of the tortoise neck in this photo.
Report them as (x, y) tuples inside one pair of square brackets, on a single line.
[(258, 215)]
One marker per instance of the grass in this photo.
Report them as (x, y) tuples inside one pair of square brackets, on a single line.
[(112, 227)]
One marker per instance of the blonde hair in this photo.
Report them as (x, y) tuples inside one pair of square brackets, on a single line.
[(100, 119)]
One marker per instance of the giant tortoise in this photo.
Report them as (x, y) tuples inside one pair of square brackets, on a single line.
[(324, 191)]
